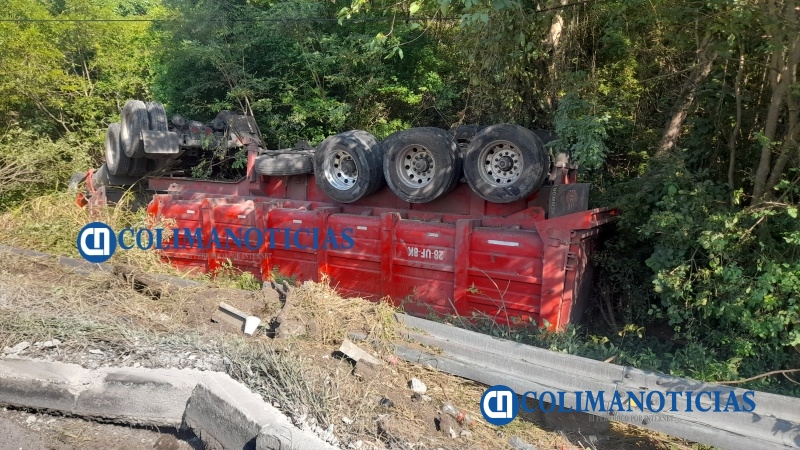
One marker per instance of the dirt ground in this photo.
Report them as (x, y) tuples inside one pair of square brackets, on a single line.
[(127, 319), (23, 430)]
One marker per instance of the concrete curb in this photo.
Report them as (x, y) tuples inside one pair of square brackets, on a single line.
[(221, 411)]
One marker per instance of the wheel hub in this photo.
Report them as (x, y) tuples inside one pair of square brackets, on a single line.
[(341, 170), (349, 167), (416, 166), (501, 163), (505, 163), (421, 165)]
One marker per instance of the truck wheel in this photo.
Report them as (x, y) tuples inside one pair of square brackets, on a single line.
[(138, 167), (284, 164), (505, 163), (157, 116), (117, 161), (421, 164), (134, 120), (348, 166), (545, 136), (463, 134)]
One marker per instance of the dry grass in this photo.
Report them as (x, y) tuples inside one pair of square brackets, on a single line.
[(41, 300), (337, 316)]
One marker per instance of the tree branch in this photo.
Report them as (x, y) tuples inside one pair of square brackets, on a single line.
[(767, 374)]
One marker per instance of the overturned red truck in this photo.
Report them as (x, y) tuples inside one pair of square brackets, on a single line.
[(467, 221)]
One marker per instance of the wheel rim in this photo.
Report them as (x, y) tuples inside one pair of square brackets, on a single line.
[(341, 170), (500, 163), (416, 166)]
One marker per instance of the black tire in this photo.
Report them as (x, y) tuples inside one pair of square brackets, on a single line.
[(545, 136), (157, 116), (138, 167), (134, 120), (434, 164), (284, 164), (349, 166), (505, 163), (463, 134), (117, 161)]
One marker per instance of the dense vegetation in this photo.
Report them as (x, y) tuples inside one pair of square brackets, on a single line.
[(685, 114)]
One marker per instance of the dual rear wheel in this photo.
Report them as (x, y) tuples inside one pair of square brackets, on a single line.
[(124, 147), (501, 163)]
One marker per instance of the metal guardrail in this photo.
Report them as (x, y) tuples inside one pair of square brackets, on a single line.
[(773, 424)]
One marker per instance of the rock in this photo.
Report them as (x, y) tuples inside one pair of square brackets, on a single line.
[(386, 403), (365, 370), (519, 444), (30, 419), (466, 434), (356, 353), (47, 344), (290, 329), (96, 352), (426, 398), (357, 336), (415, 397), (19, 348), (390, 430), (347, 420), (448, 425), (417, 386)]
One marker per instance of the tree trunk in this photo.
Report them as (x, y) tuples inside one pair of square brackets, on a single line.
[(779, 82), (793, 130), (672, 131), (737, 89)]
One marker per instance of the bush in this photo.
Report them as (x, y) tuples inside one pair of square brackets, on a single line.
[(726, 278), (31, 165)]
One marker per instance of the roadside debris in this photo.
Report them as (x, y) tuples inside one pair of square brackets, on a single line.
[(287, 323), (461, 416), (417, 386), (519, 444), (19, 348), (240, 319), (356, 353), (47, 344)]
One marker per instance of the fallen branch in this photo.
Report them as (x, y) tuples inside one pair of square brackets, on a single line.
[(767, 374)]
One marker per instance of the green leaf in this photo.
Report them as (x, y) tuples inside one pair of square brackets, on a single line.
[(413, 8), (792, 212)]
